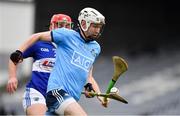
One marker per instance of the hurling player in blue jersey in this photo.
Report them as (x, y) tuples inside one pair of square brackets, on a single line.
[(43, 54), (76, 52)]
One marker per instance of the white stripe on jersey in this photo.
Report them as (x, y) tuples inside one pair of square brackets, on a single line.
[(43, 65)]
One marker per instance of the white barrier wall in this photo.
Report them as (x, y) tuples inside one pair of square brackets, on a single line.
[(16, 25)]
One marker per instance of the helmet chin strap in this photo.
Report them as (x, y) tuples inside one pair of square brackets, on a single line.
[(87, 38)]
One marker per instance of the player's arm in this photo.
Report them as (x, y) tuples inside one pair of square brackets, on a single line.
[(16, 56), (93, 82), (95, 87), (12, 81)]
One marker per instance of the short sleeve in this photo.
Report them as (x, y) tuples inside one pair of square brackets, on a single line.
[(30, 51), (58, 35)]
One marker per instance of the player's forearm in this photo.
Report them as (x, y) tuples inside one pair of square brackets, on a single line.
[(12, 69), (95, 85), (12, 81), (93, 81)]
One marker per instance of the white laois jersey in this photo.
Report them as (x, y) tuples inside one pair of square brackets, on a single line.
[(43, 54)]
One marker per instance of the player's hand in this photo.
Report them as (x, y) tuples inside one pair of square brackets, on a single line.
[(87, 94), (88, 88), (12, 85), (16, 57), (103, 101)]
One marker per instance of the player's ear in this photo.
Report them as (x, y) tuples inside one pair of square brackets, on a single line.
[(83, 24)]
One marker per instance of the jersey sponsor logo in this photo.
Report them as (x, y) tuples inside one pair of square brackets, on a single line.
[(81, 61), (44, 65), (48, 63)]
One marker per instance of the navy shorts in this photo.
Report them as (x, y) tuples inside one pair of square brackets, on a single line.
[(57, 100)]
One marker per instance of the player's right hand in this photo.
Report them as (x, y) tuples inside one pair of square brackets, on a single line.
[(87, 94), (16, 57), (88, 88), (12, 85)]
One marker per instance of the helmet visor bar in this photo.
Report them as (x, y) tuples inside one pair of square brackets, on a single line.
[(65, 24)]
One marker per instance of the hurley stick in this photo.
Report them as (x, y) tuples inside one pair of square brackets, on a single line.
[(120, 66), (114, 96)]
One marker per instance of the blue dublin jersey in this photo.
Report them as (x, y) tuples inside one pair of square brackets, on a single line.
[(43, 54), (74, 58)]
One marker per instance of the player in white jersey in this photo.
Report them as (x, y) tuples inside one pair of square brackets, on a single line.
[(43, 54), (75, 54)]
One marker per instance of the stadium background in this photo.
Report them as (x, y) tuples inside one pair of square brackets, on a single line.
[(145, 33)]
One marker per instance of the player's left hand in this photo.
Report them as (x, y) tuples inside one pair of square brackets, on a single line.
[(103, 101)]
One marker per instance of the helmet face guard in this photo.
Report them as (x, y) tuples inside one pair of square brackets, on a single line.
[(61, 20), (65, 24), (90, 15)]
